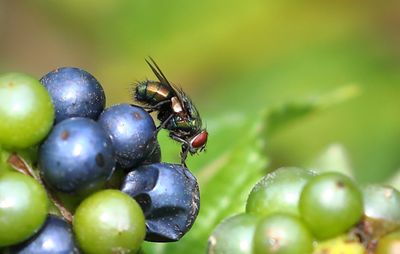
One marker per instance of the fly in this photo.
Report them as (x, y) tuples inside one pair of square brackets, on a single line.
[(175, 110)]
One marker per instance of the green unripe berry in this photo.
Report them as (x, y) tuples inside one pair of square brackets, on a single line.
[(331, 204), (23, 207), (234, 235), (381, 209), (26, 111), (109, 221), (282, 234), (278, 191), (389, 244)]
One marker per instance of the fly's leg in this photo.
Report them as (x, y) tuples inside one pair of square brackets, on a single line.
[(180, 140), (163, 124), (158, 105), (184, 152)]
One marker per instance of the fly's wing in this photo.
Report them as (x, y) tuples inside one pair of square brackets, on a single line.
[(188, 106), (161, 77)]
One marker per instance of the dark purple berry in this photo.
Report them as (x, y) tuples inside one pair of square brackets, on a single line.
[(75, 93), (76, 155), (169, 197), (132, 131), (55, 237)]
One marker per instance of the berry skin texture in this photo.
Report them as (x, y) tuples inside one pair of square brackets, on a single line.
[(282, 234), (381, 209), (55, 237), (75, 93), (77, 154), (23, 207), (26, 111), (132, 131), (330, 204), (278, 191), (169, 197), (382, 202), (233, 235), (109, 221)]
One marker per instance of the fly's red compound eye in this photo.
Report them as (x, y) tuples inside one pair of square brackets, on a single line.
[(200, 140)]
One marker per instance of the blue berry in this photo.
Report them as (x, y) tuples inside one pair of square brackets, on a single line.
[(132, 131), (55, 237), (169, 197), (75, 93), (76, 155)]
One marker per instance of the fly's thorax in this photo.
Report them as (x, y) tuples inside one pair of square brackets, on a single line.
[(177, 123), (190, 108), (152, 92), (185, 125)]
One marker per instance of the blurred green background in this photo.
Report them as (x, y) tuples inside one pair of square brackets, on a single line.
[(234, 58)]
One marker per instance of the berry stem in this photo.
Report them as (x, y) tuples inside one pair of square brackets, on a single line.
[(20, 165)]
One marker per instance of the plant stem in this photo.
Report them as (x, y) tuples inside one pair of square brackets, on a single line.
[(19, 164)]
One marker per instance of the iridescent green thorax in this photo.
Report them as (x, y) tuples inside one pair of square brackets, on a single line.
[(184, 127)]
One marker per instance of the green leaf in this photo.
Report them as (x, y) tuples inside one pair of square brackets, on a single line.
[(278, 118)]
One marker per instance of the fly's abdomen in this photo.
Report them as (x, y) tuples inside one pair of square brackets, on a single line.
[(152, 92)]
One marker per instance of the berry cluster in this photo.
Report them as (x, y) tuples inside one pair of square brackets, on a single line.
[(297, 211), (78, 178)]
